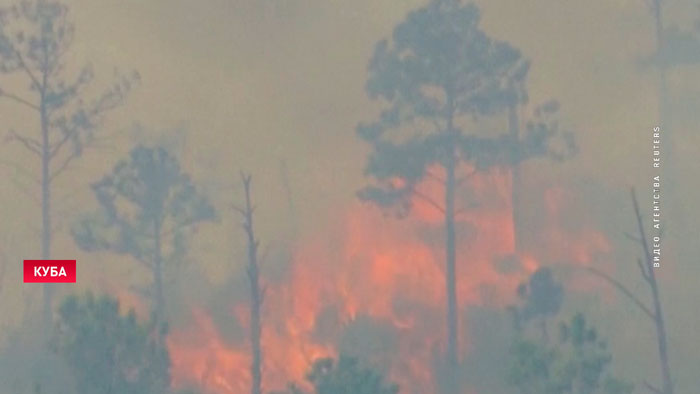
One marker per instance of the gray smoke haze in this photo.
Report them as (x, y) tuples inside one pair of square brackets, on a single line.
[(277, 88)]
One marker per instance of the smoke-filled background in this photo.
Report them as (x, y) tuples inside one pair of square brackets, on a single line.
[(276, 89)]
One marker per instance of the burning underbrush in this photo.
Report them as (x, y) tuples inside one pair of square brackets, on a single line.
[(374, 287)]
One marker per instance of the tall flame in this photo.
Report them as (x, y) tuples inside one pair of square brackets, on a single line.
[(390, 273)]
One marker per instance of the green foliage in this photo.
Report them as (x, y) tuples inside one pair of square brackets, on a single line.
[(368, 338), (347, 376), (146, 198), (109, 352), (344, 376), (542, 297), (579, 363), (25, 363)]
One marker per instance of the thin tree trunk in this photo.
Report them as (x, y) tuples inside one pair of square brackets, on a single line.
[(667, 174), (451, 276), (256, 367), (451, 258), (255, 290), (669, 165), (159, 308), (46, 207), (657, 14), (514, 128), (664, 121), (661, 336), (658, 317)]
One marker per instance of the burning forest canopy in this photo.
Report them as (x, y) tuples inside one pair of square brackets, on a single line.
[(437, 197)]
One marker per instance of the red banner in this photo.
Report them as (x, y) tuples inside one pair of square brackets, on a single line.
[(49, 271)]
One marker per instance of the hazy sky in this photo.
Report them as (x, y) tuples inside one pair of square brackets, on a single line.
[(256, 82)]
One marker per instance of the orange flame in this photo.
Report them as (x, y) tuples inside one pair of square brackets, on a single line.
[(388, 270)]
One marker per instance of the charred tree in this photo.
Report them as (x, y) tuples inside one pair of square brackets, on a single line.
[(649, 275), (35, 42), (655, 312), (256, 292)]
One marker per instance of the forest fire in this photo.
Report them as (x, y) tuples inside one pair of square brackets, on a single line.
[(378, 279), (453, 197)]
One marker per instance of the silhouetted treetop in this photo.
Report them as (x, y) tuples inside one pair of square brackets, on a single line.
[(440, 64), (148, 189)]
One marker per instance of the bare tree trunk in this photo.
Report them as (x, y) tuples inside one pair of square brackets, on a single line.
[(656, 312), (658, 317), (451, 258), (657, 15), (256, 294), (667, 174), (46, 206), (663, 113), (451, 276), (159, 307), (665, 121)]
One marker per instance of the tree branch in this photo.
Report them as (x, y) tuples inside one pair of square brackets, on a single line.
[(659, 320), (63, 166), (55, 150), (644, 272), (26, 69), (257, 295), (144, 262), (640, 226), (57, 147), (18, 99), (632, 237), (179, 227), (652, 388), (614, 282), (28, 142), (429, 200)]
